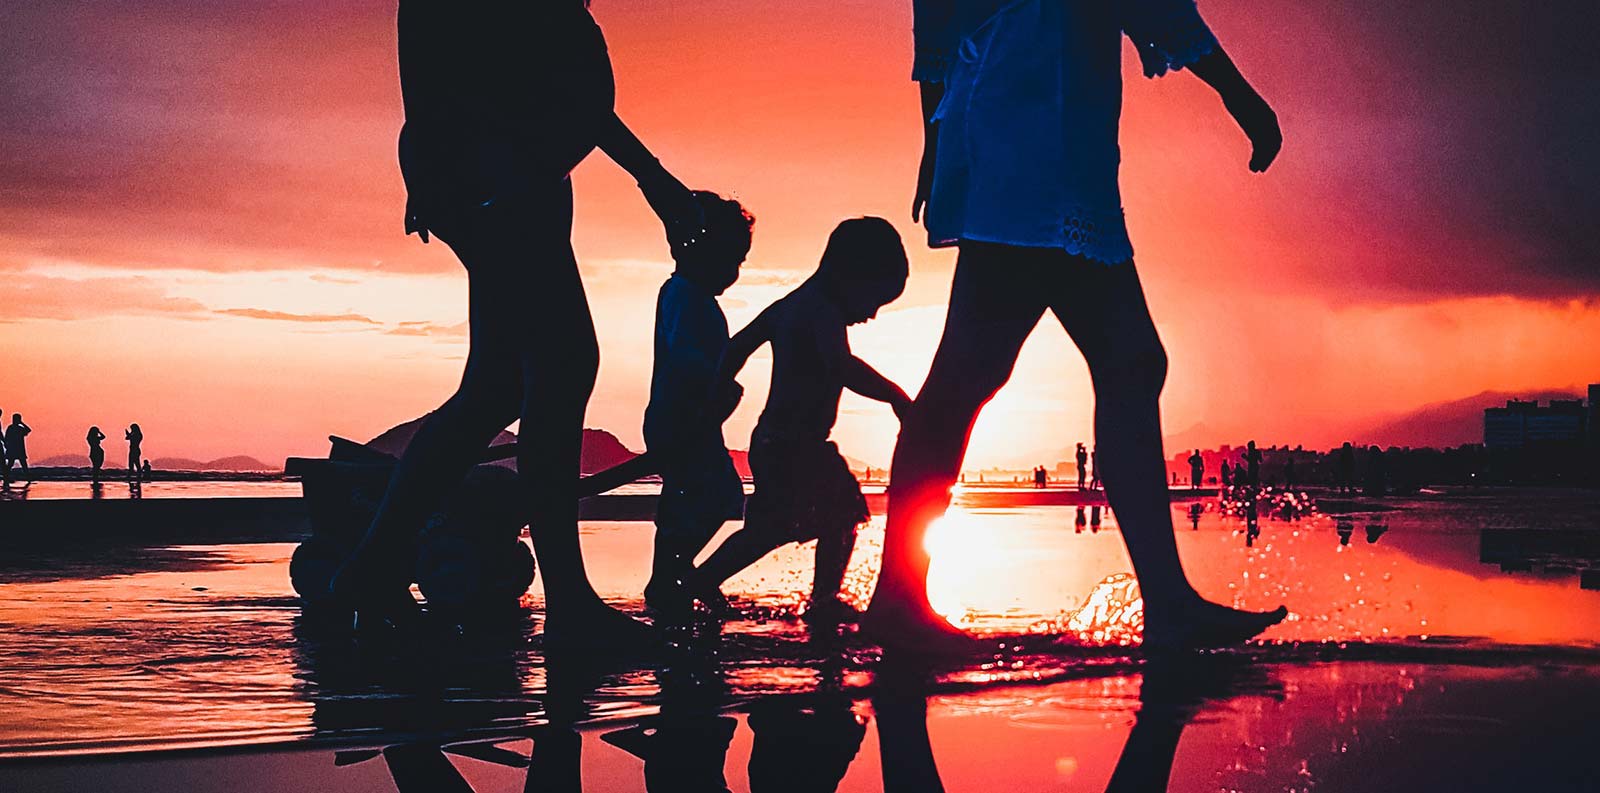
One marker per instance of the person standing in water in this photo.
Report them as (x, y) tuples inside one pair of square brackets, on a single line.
[(135, 438), (97, 453), (1020, 108), (501, 102), (1197, 470), (1082, 458)]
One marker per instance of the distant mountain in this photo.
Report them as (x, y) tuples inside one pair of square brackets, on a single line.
[(62, 461), (601, 449), (234, 463), (1445, 424)]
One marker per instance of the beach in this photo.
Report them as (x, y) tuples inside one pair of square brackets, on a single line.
[(1408, 658)]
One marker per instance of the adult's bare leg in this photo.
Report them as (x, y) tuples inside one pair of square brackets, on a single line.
[(993, 309), (1103, 309), (560, 358), (450, 438)]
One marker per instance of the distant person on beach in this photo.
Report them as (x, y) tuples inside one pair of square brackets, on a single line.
[(97, 453), (145, 471), (135, 438), (700, 489), (5, 456), (1094, 468), (1377, 483), (1347, 468), (1252, 461), (1082, 458), (1020, 106), (1227, 475), (1197, 470), (501, 102), (803, 487), (17, 445)]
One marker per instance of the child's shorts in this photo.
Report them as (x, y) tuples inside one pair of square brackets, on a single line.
[(804, 491), (699, 497)]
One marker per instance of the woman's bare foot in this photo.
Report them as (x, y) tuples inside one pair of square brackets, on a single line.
[(597, 627), (923, 634), (1201, 624)]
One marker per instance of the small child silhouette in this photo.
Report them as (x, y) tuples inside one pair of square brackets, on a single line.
[(700, 489), (804, 488)]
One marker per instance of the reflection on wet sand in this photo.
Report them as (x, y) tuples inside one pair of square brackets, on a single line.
[(204, 646)]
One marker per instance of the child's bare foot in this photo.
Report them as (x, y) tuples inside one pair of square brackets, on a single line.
[(597, 627), (1200, 624)]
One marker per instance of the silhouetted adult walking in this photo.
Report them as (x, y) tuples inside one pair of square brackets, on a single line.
[(1197, 470), (502, 100), (1021, 103), (1082, 458), (97, 453), (135, 438)]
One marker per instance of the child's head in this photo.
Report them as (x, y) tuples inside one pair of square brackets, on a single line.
[(864, 266), (713, 260)]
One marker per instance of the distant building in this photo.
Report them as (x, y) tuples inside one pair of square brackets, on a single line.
[(1527, 423), (1594, 417)]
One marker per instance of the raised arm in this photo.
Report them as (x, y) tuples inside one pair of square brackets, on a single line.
[(1254, 115), (725, 389), (670, 198)]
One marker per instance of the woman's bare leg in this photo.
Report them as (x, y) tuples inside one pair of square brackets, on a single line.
[(1103, 309), (560, 357), (992, 311), (447, 443)]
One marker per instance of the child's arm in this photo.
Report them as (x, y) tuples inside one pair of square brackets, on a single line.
[(860, 377), (1246, 106), (725, 389), (670, 199)]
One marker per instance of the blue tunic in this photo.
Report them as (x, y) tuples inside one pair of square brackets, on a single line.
[(1027, 150)]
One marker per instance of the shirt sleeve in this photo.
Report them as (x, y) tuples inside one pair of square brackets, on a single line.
[(933, 30), (1169, 34)]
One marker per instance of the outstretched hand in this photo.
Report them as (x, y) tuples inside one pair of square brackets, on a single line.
[(1260, 125)]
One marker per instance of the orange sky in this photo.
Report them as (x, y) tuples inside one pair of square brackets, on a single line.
[(201, 219)]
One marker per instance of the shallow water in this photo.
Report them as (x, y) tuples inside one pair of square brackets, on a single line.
[(205, 645)]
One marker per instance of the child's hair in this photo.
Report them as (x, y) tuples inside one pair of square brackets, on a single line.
[(728, 226), (865, 248)]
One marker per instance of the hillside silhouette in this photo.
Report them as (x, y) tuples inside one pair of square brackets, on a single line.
[(601, 449), (1442, 425)]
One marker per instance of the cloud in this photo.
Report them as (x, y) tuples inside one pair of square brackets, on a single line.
[(285, 316), (36, 296), (458, 330)]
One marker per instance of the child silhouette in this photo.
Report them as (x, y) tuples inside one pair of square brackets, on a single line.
[(804, 489), (700, 489)]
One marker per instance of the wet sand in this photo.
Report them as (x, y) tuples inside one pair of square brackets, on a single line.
[(1406, 657)]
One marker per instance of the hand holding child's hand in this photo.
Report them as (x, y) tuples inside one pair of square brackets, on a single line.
[(1260, 125), (675, 205), (902, 409)]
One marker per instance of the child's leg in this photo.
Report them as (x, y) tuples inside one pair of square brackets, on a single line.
[(993, 309), (1103, 309), (744, 548), (833, 559)]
